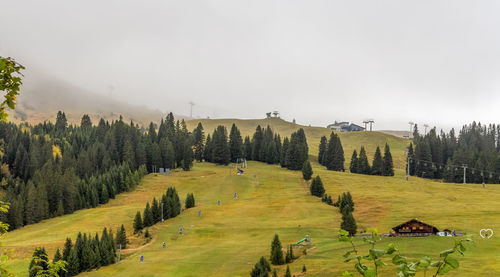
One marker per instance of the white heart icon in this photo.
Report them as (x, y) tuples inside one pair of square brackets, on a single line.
[(486, 233)]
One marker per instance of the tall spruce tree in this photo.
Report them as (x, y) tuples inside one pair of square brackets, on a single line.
[(67, 249), (257, 140), (334, 155), (277, 251), (189, 201), (307, 171), (248, 148), (378, 163), (138, 223), (235, 143), (198, 137), (261, 268), (354, 167), (348, 223), (388, 169), (207, 152), (220, 152), (424, 166), (297, 151), (322, 150), (410, 163), (39, 261), (284, 151), (121, 238), (147, 216), (364, 166), (316, 187)]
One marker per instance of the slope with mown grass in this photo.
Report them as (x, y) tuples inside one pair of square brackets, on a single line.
[(228, 239)]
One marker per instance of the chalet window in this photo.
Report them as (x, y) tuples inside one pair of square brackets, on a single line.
[(414, 228), (421, 227)]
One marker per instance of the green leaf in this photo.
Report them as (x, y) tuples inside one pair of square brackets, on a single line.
[(351, 258), (391, 249), (379, 263), (424, 262), (444, 269), (361, 268), (348, 253), (377, 253), (436, 264), (446, 252), (398, 259), (452, 262)]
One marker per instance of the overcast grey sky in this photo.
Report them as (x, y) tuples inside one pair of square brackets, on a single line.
[(434, 62)]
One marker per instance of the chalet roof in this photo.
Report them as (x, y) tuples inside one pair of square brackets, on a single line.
[(352, 124), (415, 221)]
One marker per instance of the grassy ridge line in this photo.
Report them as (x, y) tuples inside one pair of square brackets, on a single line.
[(350, 140)]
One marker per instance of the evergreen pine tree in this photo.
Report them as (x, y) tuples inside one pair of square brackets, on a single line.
[(198, 137), (67, 249), (187, 159), (121, 238), (284, 152), (57, 255), (334, 155), (248, 148), (316, 187), (276, 251), (73, 267), (257, 141), (423, 156), (411, 160), (354, 167), (378, 163), (348, 223), (322, 150), (261, 268), (40, 261), (220, 152), (138, 223), (388, 169), (307, 170), (287, 273), (235, 144), (147, 216), (364, 166), (297, 151), (189, 201), (156, 211)]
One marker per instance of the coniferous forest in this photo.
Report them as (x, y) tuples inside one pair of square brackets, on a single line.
[(51, 169), (443, 155), (264, 146)]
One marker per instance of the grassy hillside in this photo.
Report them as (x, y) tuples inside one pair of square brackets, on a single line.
[(228, 239), (350, 140)]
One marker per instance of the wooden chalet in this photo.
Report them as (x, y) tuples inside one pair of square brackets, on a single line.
[(415, 228)]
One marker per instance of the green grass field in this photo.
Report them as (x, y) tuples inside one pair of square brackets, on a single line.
[(229, 239)]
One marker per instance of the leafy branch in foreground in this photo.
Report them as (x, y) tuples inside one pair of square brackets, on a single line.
[(10, 81), (404, 267)]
